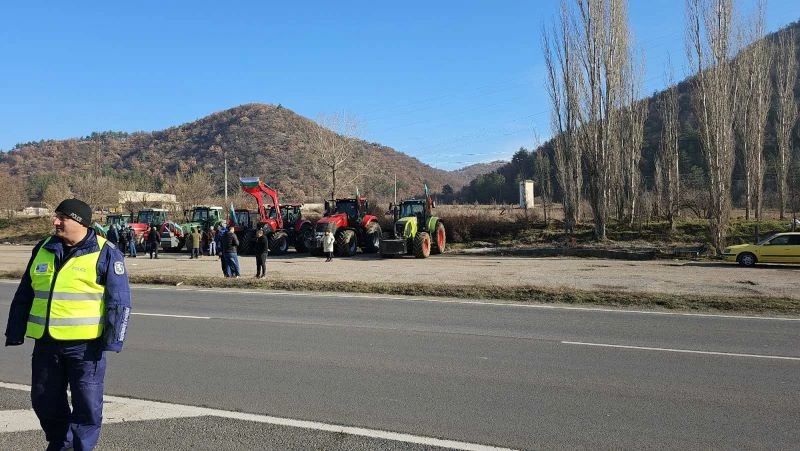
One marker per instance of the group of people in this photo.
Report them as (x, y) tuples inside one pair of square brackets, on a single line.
[(123, 237)]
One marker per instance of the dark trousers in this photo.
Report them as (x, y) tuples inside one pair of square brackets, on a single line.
[(82, 365), (195, 252), (153, 249), (261, 265)]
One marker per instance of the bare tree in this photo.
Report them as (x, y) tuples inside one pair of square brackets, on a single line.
[(631, 136), (563, 76), (786, 111), (56, 192), (195, 189), (669, 152), (710, 48), (97, 191), (337, 149), (752, 71), (603, 30), (14, 196), (543, 175)]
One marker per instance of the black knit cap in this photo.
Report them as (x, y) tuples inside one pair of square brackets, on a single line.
[(76, 209)]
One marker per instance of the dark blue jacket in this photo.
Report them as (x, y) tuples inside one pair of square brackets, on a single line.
[(111, 273)]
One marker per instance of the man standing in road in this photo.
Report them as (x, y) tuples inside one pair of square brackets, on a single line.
[(75, 301)]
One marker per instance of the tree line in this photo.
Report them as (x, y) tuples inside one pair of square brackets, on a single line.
[(728, 132)]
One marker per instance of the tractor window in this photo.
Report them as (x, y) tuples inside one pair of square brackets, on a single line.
[(348, 208), (410, 209), (272, 213), (199, 215)]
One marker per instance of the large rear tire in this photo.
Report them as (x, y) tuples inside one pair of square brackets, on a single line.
[(372, 238), (439, 239), (422, 245), (246, 242), (305, 239), (346, 244), (279, 243)]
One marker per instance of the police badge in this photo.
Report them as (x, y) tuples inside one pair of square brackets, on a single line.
[(119, 268)]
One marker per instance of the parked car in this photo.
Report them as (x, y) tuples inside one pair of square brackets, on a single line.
[(779, 248)]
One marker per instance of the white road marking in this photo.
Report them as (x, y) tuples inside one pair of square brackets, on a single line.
[(172, 316), (118, 409), (686, 351)]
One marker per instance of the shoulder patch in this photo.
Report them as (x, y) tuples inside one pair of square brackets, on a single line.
[(119, 268), (41, 267)]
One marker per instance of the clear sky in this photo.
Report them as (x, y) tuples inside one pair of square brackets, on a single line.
[(451, 83)]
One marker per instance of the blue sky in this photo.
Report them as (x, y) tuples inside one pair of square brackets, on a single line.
[(451, 83)]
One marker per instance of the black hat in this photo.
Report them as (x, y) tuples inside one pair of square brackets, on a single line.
[(77, 210)]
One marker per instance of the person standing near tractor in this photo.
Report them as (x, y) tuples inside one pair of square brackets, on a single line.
[(74, 299), (211, 237), (327, 245), (261, 248), (153, 241), (230, 252), (195, 236), (131, 237)]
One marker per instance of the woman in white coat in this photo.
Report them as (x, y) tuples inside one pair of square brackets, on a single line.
[(327, 245)]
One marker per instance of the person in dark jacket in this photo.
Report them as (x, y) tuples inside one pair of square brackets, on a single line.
[(130, 236), (113, 234), (261, 248), (230, 252), (74, 300), (153, 242)]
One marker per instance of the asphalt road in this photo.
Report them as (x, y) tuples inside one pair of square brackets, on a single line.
[(527, 377)]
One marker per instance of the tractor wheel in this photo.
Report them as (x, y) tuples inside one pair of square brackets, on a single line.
[(346, 244), (279, 243), (372, 239), (422, 245), (439, 239), (246, 242), (305, 239)]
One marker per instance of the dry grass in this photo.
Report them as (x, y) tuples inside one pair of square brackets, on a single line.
[(525, 294)]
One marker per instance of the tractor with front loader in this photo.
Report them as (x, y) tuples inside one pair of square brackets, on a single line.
[(351, 226), (283, 225), (416, 230)]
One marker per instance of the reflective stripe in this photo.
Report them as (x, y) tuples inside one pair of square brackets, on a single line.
[(37, 320), (74, 321), (62, 296)]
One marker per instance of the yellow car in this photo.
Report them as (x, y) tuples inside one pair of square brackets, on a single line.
[(779, 248)]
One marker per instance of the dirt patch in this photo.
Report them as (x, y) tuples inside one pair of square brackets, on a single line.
[(688, 278)]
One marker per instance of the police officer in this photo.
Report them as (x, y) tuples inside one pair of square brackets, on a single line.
[(75, 301)]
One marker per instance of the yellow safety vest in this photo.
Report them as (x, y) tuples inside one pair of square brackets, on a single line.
[(69, 303)]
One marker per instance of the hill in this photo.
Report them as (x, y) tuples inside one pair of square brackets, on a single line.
[(257, 139), (503, 180)]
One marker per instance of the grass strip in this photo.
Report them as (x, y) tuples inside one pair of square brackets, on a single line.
[(746, 304)]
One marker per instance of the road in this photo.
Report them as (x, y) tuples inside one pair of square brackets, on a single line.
[(474, 373)]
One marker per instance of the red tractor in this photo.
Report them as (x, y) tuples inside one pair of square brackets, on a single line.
[(350, 224), (283, 225)]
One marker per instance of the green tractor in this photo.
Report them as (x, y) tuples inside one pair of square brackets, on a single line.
[(415, 231), (173, 236)]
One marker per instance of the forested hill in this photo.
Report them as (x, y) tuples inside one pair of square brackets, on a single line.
[(259, 140), (502, 184)]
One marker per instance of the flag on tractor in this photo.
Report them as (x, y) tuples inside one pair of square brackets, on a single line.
[(232, 216), (428, 205)]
